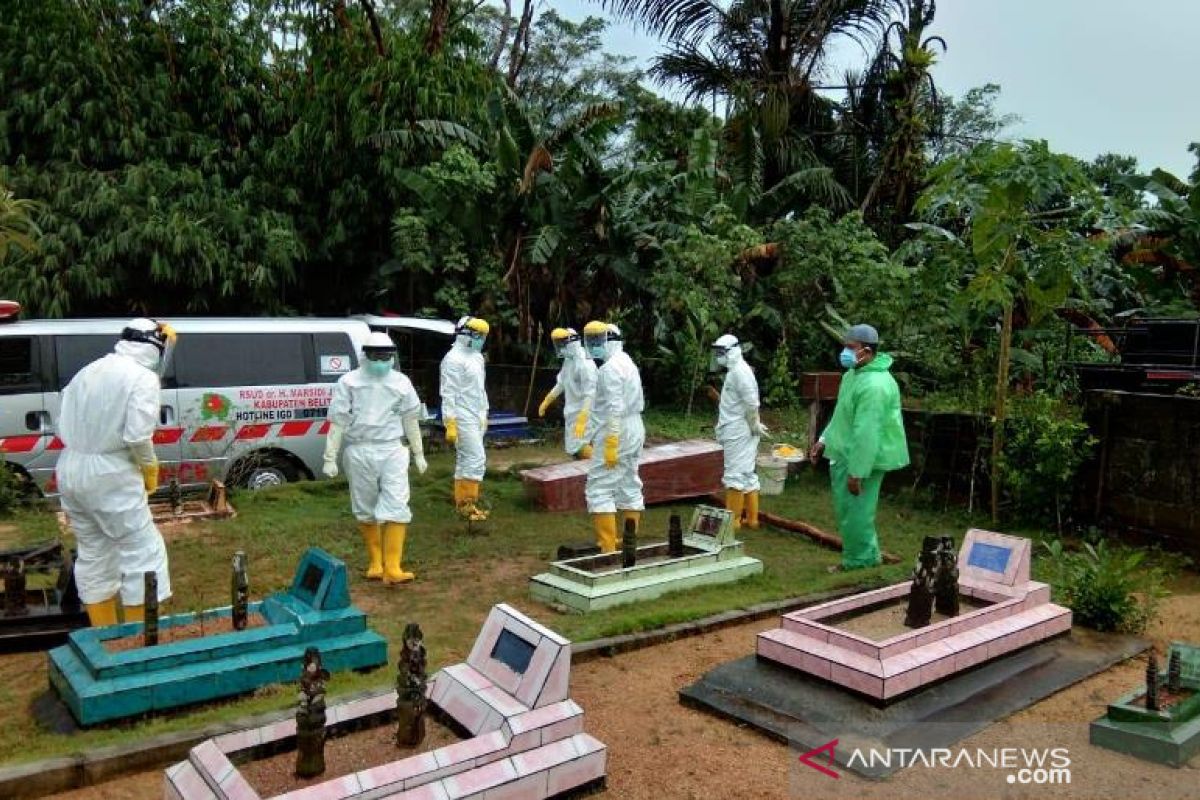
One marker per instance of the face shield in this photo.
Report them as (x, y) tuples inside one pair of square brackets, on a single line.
[(378, 361), (562, 345), (158, 335), (596, 344)]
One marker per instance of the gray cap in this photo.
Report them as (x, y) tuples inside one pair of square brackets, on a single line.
[(863, 334)]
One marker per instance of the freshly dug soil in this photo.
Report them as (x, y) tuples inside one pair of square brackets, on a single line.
[(180, 633), (344, 755), (1166, 698), (882, 622)]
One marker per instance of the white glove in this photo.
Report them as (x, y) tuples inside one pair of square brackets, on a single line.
[(756, 426), (333, 445), (412, 432)]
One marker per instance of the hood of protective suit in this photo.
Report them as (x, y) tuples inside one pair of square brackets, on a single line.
[(733, 357), (573, 350), (145, 354), (882, 362), (611, 348)]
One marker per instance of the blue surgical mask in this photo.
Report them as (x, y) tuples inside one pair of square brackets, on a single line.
[(378, 369), (848, 358)]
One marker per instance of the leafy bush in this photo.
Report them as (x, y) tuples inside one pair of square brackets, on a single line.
[(1045, 445), (1108, 588), (12, 489)]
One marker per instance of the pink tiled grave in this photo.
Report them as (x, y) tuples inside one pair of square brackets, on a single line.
[(526, 737), (1002, 611)]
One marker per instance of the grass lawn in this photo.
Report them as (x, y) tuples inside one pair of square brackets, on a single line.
[(459, 577)]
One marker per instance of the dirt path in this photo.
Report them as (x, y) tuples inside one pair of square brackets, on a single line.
[(659, 750)]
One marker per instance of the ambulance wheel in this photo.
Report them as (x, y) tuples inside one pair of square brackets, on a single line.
[(262, 471)]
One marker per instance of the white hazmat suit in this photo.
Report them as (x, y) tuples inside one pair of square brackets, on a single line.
[(377, 412), (577, 382), (617, 435), (465, 411), (739, 431), (109, 413)]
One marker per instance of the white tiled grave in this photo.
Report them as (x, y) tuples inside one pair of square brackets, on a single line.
[(511, 695)]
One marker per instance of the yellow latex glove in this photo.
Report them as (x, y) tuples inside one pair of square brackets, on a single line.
[(547, 401), (150, 477), (610, 450), (452, 431), (581, 424)]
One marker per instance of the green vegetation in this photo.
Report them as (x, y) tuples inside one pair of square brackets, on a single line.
[(1109, 587), (460, 575)]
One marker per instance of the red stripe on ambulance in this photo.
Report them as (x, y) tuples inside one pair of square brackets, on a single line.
[(324, 428), (210, 433), (247, 432), (55, 444), (168, 435), (295, 428), (19, 444)]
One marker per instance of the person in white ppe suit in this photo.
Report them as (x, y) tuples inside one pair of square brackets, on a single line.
[(576, 380), (616, 433), (376, 411), (465, 412), (108, 467), (739, 431)]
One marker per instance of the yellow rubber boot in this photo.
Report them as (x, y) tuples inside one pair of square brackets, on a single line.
[(606, 532), (752, 510), (134, 613), (459, 494), (373, 539), (474, 512), (735, 501), (102, 613), (393, 553)]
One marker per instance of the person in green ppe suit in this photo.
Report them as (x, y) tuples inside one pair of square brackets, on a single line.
[(864, 439)]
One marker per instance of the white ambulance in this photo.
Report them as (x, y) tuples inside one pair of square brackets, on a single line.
[(244, 400)]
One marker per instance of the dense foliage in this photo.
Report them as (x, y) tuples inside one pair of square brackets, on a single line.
[(440, 156)]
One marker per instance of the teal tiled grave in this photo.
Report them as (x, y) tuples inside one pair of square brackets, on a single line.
[(710, 555), (100, 685), (1167, 735)]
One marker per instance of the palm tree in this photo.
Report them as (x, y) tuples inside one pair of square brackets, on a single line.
[(898, 106), (762, 59), (18, 231)]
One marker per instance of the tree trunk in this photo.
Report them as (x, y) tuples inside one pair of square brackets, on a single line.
[(502, 38), (376, 34), (439, 19), (520, 45), (1006, 331)]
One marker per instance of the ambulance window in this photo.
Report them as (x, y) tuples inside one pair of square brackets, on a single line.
[(73, 353), (335, 356), (18, 365), (239, 359)]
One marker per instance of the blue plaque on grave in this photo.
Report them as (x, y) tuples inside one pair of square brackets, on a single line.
[(99, 683), (991, 557)]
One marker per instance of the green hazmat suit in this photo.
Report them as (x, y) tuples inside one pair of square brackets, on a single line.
[(864, 439)]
